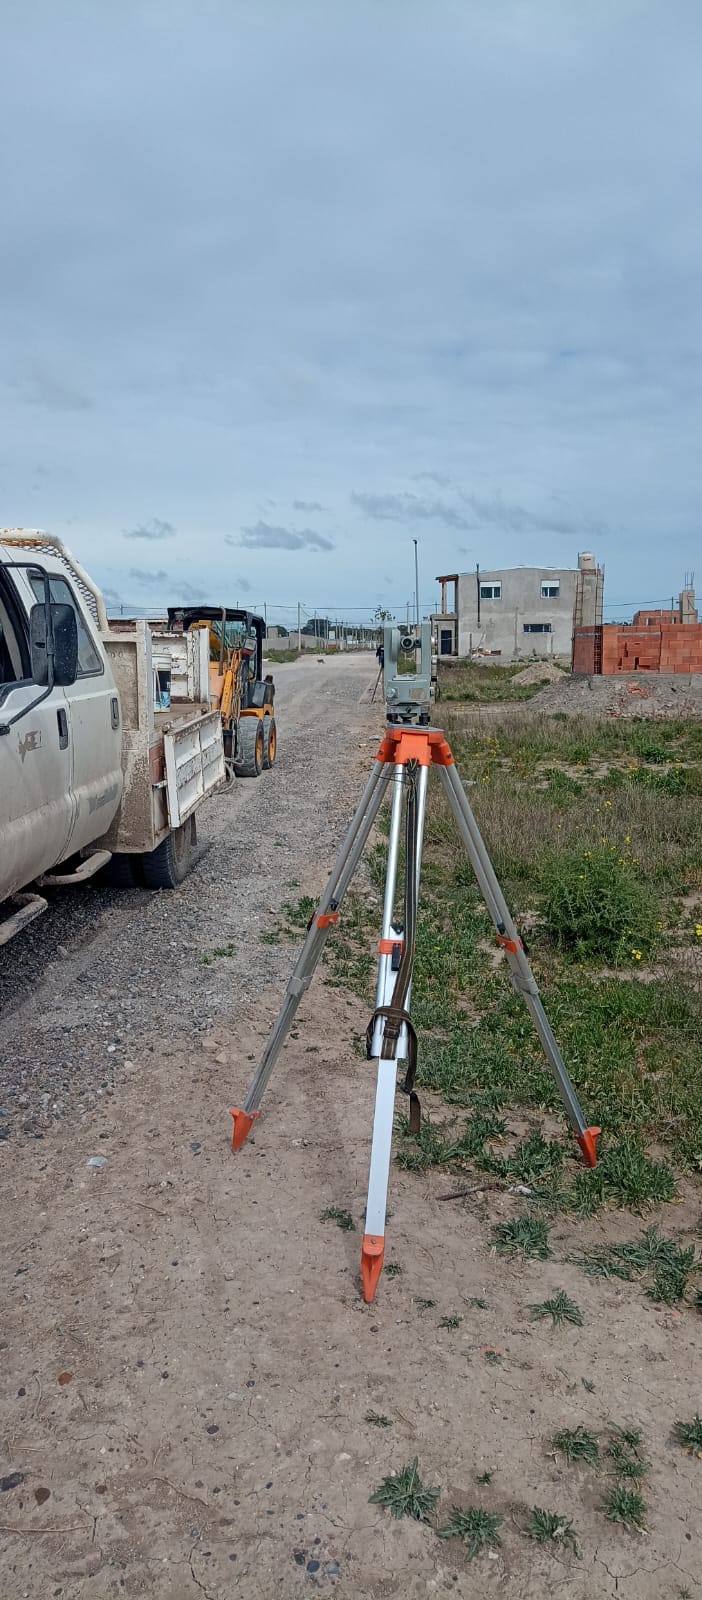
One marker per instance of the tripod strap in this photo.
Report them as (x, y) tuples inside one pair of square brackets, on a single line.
[(395, 1018)]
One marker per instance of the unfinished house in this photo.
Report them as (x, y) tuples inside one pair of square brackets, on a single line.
[(516, 612)]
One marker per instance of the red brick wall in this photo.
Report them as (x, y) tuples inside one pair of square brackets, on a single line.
[(669, 647)]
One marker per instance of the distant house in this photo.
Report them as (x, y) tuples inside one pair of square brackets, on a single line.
[(513, 612)]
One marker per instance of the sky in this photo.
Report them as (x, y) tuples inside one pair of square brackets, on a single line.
[(285, 286)]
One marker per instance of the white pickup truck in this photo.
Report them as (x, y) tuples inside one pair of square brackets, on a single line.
[(99, 766)]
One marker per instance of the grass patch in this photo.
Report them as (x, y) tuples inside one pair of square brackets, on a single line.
[(477, 1529), (667, 1265), (546, 1526), (522, 1236), (625, 1506), (475, 683), (594, 904), (689, 1436), (337, 1214), (376, 1419), (450, 1322), (623, 1458), (578, 1444), (404, 1494), (560, 1309), (624, 1176)]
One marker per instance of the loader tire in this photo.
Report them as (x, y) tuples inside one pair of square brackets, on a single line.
[(167, 865), (270, 743), (248, 760)]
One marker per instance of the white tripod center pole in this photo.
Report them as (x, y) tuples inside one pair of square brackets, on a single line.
[(373, 1244)]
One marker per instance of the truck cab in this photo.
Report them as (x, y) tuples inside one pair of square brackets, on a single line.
[(60, 742)]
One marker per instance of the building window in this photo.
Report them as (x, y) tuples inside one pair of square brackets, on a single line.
[(491, 591), (537, 627), (550, 589)]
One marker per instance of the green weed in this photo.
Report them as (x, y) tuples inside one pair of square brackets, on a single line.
[(450, 1322), (578, 1444), (343, 1219), (544, 1526), (594, 904), (689, 1435), (477, 1528), (378, 1420), (625, 1506), (405, 1495), (525, 1236), (560, 1309)]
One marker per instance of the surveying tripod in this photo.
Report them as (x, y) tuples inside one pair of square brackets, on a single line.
[(407, 750)]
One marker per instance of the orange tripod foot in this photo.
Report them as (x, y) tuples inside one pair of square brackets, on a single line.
[(241, 1125), (372, 1252), (588, 1145)]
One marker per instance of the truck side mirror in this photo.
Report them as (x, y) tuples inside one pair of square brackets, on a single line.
[(65, 629)]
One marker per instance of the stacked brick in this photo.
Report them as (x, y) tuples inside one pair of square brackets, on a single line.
[(657, 647)]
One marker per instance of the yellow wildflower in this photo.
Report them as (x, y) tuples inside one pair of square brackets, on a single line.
[(698, 930), (636, 954)]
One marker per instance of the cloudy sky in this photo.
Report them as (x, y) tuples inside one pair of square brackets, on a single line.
[(286, 285)]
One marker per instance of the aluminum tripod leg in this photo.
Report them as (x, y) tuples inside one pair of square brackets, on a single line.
[(522, 976), (373, 1243), (325, 916)]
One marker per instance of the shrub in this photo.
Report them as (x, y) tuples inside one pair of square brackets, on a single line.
[(595, 905)]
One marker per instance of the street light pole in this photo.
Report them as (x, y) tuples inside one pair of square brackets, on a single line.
[(416, 584)]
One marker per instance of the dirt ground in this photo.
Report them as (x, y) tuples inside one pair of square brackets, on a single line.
[(187, 1363)]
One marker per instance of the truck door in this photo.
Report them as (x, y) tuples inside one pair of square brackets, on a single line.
[(36, 807), (95, 734)]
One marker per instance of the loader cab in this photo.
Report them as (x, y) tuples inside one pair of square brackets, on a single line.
[(230, 630)]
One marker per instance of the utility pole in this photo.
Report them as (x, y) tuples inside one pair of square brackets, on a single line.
[(299, 636), (408, 606), (416, 585)]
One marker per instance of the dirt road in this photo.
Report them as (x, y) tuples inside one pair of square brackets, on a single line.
[(187, 1366)]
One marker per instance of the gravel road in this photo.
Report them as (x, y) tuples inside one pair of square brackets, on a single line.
[(106, 976)]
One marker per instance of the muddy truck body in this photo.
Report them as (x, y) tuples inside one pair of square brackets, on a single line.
[(101, 769)]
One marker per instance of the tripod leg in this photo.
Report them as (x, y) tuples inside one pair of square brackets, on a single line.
[(373, 1243), (522, 976), (323, 919)]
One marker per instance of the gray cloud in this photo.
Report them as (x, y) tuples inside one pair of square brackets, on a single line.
[(408, 508), (153, 530), (41, 389), (497, 513), (266, 536), (147, 578), (307, 505)]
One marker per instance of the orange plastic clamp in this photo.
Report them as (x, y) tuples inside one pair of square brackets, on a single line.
[(326, 919), (509, 944), (386, 946)]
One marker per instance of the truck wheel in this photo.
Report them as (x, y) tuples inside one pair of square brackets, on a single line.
[(167, 865), (249, 756), (270, 743), (123, 872)]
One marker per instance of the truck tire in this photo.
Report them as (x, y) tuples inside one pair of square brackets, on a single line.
[(270, 743), (167, 865), (249, 756), (123, 872)]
